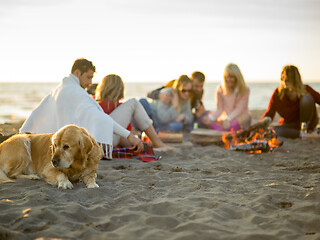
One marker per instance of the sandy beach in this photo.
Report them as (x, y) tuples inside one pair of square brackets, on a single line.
[(191, 193)]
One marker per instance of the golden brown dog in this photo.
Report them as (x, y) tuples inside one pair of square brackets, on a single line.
[(70, 154)]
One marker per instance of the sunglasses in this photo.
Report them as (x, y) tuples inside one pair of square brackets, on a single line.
[(186, 90)]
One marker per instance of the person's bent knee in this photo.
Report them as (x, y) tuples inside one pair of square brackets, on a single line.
[(176, 126), (282, 131), (133, 101), (132, 104)]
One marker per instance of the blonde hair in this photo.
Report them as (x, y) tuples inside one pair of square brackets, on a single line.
[(292, 76), (181, 81), (111, 88), (234, 71)]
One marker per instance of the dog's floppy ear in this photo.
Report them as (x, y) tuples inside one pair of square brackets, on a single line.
[(86, 144)]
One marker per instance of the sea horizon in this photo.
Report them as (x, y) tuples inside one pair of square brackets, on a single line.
[(305, 81), (18, 99)]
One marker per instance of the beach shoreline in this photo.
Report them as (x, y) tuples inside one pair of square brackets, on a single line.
[(191, 193), (13, 127)]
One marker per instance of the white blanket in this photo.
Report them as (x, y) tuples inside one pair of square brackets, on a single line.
[(69, 103)]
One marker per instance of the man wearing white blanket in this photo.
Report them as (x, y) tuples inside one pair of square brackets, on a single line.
[(69, 103)]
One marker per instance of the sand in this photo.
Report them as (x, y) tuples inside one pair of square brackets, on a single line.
[(191, 193)]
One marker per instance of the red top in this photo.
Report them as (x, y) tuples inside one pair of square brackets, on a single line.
[(287, 109), (109, 106)]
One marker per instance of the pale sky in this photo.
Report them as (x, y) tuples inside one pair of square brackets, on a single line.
[(158, 40)]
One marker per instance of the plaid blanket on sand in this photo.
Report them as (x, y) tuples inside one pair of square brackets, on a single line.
[(147, 155)]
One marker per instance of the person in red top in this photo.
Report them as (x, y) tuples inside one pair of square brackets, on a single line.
[(109, 106), (294, 102), (108, 94)]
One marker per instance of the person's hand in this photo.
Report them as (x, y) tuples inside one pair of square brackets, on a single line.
[(165, 97), (206, 121), (266, 120), (180, 118), (200, 110), (175, 99), (135, 142), (226, 125)]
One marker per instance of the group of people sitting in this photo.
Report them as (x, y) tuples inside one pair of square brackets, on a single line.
[(175, 107), (178, 104)]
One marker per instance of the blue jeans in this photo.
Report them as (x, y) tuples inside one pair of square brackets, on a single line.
[(171, 127), (146, 105), (144, 102), (308, 113)]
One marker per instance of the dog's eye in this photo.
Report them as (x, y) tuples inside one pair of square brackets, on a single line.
[(65, 147)]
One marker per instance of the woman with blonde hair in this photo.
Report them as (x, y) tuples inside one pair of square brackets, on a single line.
[(294, 102), (173, 111), (232, 97), (181, 101), (108, 94)]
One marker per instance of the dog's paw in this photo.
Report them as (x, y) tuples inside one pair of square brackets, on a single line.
[(33, 177), (65, 184), (7, 181), (92, 185)]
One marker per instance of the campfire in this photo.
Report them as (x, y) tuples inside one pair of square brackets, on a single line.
[(255, 139)]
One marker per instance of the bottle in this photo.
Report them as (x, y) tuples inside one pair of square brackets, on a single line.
[(195, 125), (303, 131)]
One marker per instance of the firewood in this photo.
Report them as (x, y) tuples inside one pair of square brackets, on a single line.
[(206, 132), (204, 136), (243, 134), (206, 140), (252, 146), (170, 137)]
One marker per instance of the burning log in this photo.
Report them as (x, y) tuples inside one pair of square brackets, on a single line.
[(255, 139), (255, 146), (248, 133)]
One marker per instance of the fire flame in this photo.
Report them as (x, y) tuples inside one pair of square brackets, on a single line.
[(264, 140)]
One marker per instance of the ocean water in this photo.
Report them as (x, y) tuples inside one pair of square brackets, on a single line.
[(18, 99)]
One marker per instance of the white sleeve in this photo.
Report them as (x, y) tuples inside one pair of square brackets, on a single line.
[(119, 130)]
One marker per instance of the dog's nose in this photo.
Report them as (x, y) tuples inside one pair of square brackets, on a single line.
[(55, 161)]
